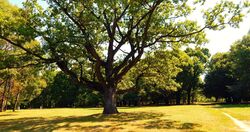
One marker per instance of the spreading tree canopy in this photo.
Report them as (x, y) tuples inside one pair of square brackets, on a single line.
[(108, 37)]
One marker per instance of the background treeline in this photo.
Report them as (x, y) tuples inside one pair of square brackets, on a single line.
[(162, 77), (80, 54), (228, 75)]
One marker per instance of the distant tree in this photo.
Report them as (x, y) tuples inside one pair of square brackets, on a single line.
[(19, 74), (19, 86), (192, 69), (240, 54), (61, 92), (219, 77), (77, 33), (228, 74), (7, 83), (153, 75)]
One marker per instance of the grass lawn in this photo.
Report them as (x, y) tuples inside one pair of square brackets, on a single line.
[(162, 118), (241, 112)]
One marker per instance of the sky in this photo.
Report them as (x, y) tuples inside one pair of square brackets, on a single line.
[(219, 41)]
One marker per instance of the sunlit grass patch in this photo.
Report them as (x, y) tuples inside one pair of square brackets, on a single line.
[(239, 111), (164, 118)]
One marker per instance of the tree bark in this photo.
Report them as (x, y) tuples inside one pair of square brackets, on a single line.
[(16, 101), (193, 97), (3, 97), (109, 99), (10, 86), (178, 97), (189, 96)]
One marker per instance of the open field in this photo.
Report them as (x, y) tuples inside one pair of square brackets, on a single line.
[(163, 118), (241, 112)]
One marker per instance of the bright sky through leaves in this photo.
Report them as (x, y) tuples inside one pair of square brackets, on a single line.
[(219, 41)]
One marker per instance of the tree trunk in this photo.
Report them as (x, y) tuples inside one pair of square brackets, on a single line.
[(16, 101), (216, 99), (189, 96), (166, 101), (10, 86), (4, 97), (178, 97), (109, 99), (193, 97), (184, 100)]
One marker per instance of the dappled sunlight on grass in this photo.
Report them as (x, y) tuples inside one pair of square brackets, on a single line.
[(96, 122), (168, 124), (173, 118)]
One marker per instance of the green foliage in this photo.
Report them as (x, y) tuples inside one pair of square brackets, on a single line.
[(240, 53), (193, 66), (61, 92), (25, 84), (67, 27), (96, 43), (12, 55), (159, 68), (219, 77), (228, 74), (87, 98), (154, 74), (164, 74)]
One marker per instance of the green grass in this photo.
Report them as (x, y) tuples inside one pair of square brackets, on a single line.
[(241, 112), (162, 118)]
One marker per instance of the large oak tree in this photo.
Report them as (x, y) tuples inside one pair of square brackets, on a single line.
[(108, 36)]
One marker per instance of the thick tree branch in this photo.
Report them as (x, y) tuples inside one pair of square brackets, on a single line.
[(129, 65), (46, 60), (125, 38), (19, 66), (92, 85), (80, 81), (89, 47), (123, 68), (70, 17)]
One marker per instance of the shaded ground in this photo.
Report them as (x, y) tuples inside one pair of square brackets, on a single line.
[(116, 122), (165, 118)]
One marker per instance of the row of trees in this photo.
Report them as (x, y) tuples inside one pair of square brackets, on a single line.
[(159, 78), (98, 44), (19, 85), (19, 80), (228, 73), (163, 77), (166, 77)]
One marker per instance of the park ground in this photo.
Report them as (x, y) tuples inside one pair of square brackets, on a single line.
[(186, 118)]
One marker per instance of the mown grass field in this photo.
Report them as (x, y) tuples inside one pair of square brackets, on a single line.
[(241, 112), (163, 118)]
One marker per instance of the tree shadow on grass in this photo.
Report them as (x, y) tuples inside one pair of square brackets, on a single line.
[(168, 124), (95, 122), (12, 114)]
